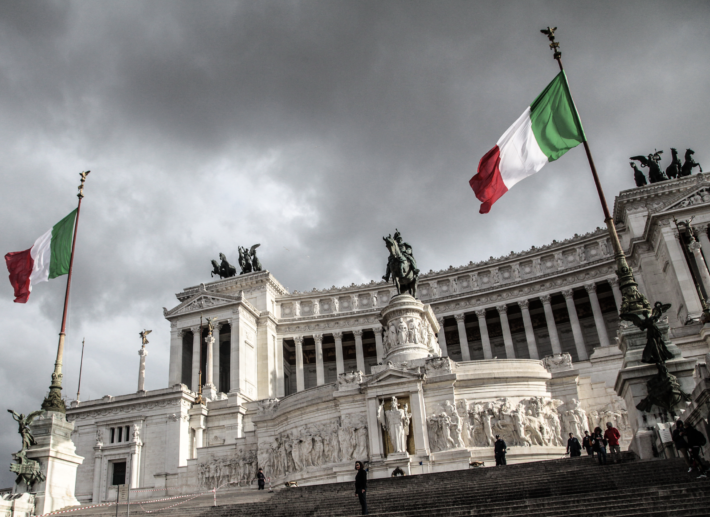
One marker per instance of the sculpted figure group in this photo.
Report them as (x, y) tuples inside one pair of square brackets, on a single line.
[(248, 262), (655, 174), (240, 469), (314, 445), (404, 330)]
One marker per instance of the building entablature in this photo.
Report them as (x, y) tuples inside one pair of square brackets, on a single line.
[(249, 282), (205, 300)]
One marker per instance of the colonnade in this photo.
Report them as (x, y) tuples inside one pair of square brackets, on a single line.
[(533, 351), (339, 357)]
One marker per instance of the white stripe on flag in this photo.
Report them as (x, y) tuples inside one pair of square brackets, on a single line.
[(520, 154), (41, 254)]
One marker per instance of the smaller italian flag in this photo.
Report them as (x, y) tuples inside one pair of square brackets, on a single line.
[(49, 257), (546, 130)]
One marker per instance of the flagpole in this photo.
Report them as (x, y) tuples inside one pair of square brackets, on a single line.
[(53, 401), (81, 367), (632, 299)]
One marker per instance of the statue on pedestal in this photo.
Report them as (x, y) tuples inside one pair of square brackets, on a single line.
[(401, 265), (28, 471), (396, 422)]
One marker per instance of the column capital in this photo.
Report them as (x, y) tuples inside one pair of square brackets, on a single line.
[(524, 304), (338, 334), (357, 332), (298, 340), (568, 294), (318, 338), (545, 298), (591, 288), (218, 326), (481, 313), (502, 309), (614, 282), (195, 329), (459, 317), (693, 246), (702, 227), (377, 328), (441, 319)]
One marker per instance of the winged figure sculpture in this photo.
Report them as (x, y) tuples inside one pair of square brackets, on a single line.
[(655, 351)]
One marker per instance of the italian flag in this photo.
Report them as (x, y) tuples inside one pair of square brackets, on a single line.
[(546, 130), (49, 257)]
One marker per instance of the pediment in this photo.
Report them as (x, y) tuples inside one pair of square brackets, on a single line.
[(699, 196), (201, 301), (393, 375)]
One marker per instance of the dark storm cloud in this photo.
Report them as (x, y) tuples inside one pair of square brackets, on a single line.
[(311, 127)]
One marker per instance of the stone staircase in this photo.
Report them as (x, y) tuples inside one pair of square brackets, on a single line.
[(568, 487)]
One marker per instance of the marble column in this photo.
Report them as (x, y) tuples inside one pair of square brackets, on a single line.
[(98, 458), (704, 241), (485, 340), (215, 353), (442, 338), (280, 371), (359, 353), (614, 283), (695, 249), (299, 363), (529, 331), (209, 392), (141, 369), (421, 441), (175, 374), (598, 317), (234, 362), (135, 466), (339, 362), (682, 271), (463, 337), (199, 436), (378, 343), (195, 359), (320, 373), (505, 325), (576, 327), (551, 325)]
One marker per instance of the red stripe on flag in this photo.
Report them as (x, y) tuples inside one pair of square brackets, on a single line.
[(487, 183), (20, 264)]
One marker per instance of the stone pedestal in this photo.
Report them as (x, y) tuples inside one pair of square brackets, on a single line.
[(55, 452), (632, 379), (410, 329), (16, 505)]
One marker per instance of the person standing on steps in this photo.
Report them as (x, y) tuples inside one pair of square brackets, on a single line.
[(574, 448), (696, 440), (361, 485), (499, 450), (599, 445), (587, 443), (261, 479), (681, 443), (612, 436)]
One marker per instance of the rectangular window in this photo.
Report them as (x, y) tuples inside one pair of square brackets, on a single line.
[(120, 434), (119, 473), (127, 435), (113, 434)]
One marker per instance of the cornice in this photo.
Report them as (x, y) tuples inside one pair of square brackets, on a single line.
[(237, 283)]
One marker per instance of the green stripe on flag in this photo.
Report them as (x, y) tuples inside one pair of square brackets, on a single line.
[(555, 121), (60, 257)]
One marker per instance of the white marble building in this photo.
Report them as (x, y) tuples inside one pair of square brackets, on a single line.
[(301, 383)]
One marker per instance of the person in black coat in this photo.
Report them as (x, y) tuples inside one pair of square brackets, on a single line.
[(499, 449), (696, 440), (574, 448), (361, 485), (261, 479), (587, 443)]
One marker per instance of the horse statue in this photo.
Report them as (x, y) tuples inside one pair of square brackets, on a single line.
[(689, 164), (244, 261), (655, 173), (225, 269), (673, 170), (401, 266)]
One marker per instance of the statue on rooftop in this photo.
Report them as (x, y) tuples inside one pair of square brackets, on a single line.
[(248, 260), (639, 178), (401, 265), (673, 170), (689, 164), (651, 161), (224, 269)]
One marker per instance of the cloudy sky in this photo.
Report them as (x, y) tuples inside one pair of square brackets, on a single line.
[(313, 128)]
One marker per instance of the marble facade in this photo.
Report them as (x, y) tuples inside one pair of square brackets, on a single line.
[(524, 345)]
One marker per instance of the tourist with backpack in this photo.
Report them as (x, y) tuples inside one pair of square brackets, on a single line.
[(599, 445), (696, 440)]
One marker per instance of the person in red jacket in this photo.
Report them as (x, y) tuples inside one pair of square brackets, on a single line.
[(612, 435)]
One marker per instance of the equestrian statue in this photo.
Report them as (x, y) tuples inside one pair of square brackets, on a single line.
[(401, 265)]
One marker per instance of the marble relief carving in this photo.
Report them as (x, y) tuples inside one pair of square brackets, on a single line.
[(239, 469), (531, 421)]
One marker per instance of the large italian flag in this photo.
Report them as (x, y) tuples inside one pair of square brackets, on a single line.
[(49, 257), (546, 130)]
